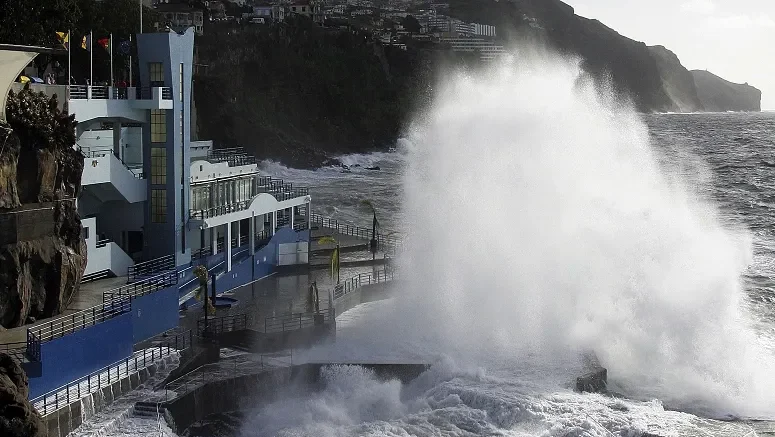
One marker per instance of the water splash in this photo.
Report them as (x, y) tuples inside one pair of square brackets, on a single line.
[(542, 223)]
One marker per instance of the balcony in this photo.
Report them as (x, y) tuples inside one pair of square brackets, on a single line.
[(89, 102)]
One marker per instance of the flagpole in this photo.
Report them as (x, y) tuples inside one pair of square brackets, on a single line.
[(130, 59), (111, 60), (91, 58), (69, 43)]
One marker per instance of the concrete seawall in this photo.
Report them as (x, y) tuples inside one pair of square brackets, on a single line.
[(249, 391), (63, 421)]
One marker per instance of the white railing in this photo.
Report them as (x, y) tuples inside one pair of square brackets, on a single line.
[(362, 279)]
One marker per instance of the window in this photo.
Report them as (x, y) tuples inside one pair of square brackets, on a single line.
[(180, 85), (158, 126), (200, 197), (156, 70), (158, 166), (159, 206), (85, 233), (293, 8)]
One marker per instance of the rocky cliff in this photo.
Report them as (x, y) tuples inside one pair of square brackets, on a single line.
[(719, 95), (677, 81), (18, 418), (42, 252)]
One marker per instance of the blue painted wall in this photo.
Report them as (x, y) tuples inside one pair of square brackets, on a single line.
[(82, 352), (239, 275), (154, 313)]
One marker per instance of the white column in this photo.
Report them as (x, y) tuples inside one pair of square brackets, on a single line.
[(239, 236), (293, 208), (309, 215), (252, 236), (274, 222), (214, 239), (228, 247)]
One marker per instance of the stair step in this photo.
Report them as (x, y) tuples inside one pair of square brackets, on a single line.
[(148, 409)]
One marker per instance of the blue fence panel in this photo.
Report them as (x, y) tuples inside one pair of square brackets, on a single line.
[(69, 357), (154, 313)]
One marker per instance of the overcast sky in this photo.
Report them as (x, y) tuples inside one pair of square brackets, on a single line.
[(734, 39)]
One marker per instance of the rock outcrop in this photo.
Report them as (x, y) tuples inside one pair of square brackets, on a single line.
[(42, 252), (719, 95), (18, 418)]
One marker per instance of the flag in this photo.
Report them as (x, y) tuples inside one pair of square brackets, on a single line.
[(64, 39), (124, 47), (105, 43), (86, 42), (335, 263)]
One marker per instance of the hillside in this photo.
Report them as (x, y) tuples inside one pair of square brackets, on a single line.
[(300, 93), (719, 95)]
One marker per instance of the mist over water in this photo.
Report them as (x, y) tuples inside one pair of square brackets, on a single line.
[(542, 224)]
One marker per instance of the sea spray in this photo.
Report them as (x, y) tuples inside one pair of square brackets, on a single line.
[(542, 223)]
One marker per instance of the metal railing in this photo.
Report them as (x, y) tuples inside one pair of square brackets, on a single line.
[(145, 93), (362, 279), (63, 325), (293, 322), (216, 211), (248, 363), (142, 287), (115, 303), (234, 156), (104, 377), (103, 243), (354, 231), (220, 325), (150, 267)]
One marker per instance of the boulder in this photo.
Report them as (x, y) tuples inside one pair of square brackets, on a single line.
[(18, 418), (42, 251), (595, 381)]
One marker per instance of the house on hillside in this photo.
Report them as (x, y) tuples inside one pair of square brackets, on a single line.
[(181, 16)]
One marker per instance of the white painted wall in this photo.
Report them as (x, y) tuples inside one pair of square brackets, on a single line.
[(108, 169), (101, 140), (109, 257), (202, 171), (264, 203)]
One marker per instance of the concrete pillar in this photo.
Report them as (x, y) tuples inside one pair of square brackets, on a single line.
[(252, 235), (309, 215), (214, 239), (117, 149), (228, 247), (293, 210), (239, 231), (274, 222)]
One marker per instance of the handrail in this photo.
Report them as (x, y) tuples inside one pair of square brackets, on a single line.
[(142, 287), (146, 268), (115, 303), (354, 231), (63, 325), (202, 374), (59, 397), (362, 279)]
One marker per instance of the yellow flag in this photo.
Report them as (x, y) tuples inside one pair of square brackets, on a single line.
[(64, 39)]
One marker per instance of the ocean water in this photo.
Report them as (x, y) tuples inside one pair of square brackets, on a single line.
[(545, 220)]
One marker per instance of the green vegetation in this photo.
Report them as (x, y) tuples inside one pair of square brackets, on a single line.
[(35, 22), (296, 91)]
